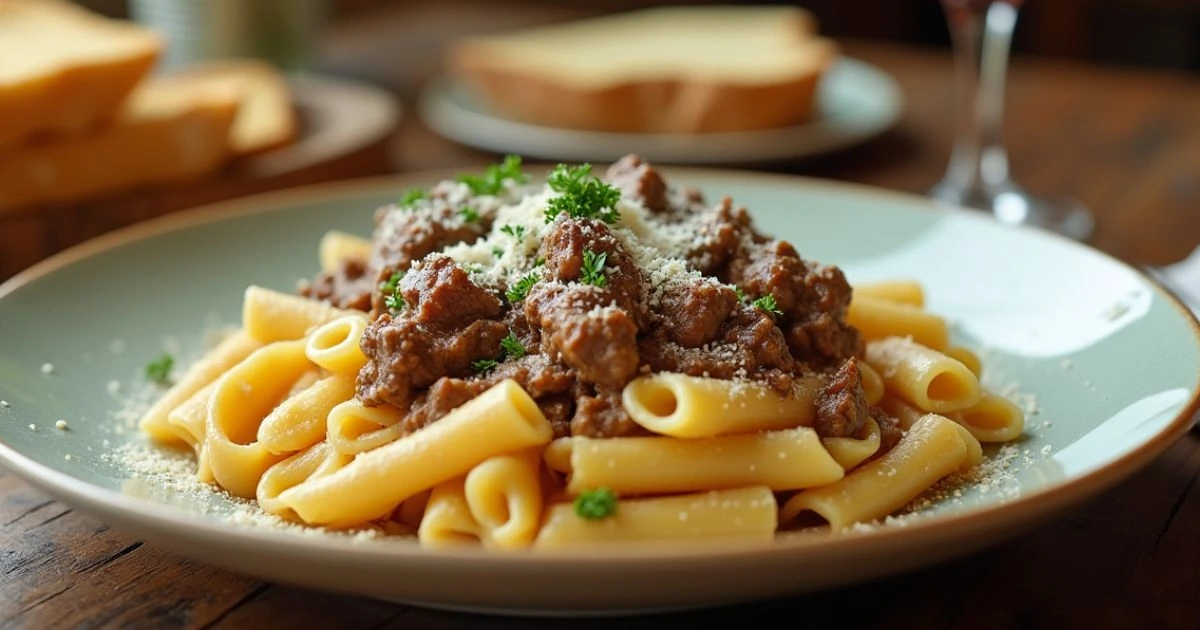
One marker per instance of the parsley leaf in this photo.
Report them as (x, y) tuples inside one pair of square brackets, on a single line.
[(512, 347), (767, 303), (392, 283), (395, 302), (497, 252), (159, 370), (583, 195), (593, 268), (741, 295), (484, 366), (539, 261), (520, 289), (408, 199), (469, 215), (494, 176), (595, 505), (515, 231)]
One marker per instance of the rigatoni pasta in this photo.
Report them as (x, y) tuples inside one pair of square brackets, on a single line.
[(562, 368)]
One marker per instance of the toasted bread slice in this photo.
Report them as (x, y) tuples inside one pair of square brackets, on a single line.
[(266, 118), (667, 70), (164, 133), (63, 68)]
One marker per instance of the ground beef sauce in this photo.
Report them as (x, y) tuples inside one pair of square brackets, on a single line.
[(681, 288)]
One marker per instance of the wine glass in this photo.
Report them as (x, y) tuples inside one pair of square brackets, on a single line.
[(977, 176)]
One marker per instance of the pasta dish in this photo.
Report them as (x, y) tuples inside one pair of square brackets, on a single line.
[(591, 359)]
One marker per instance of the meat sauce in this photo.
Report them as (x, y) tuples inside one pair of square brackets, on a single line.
[(492, 290)]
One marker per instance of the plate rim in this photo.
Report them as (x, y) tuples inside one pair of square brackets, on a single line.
[(1041, 503), (444, 115)]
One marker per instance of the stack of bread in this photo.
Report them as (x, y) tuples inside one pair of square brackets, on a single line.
[(683, 69), (83, 117)]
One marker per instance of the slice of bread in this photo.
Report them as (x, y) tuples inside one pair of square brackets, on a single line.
[(266, 118), (63, 68), (691, 69), (165, 132)]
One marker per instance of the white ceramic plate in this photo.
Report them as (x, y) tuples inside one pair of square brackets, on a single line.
[(1108, 362), (855, 102)]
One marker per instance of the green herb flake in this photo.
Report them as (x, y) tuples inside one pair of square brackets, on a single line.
[(515, 231), (469, 215), (158, 371), (767, 303), (512, 347), (539, 261), (741, 295), (595, 505), (483, 366), (411, 197), (497, 252), (395, 303), (494, 176), (593, 268), (520, 289), (582, 195), (393, 282)]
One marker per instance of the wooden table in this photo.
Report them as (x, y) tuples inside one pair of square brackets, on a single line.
[(1125, 142)]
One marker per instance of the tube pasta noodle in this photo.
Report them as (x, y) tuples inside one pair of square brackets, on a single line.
[(241, 399), (932, 449), (900, 291), (881, 319), (872, 383), (966, 357), (928, 379), (781, 460), (501, 420), (315, 461), (310, 409), (336, 246), (685, 406), (272, 316), (334, 345), (504, 496), (733, 514), (355, 428), (850, 452), (447, 521), (992, 419), (299, 421), (212, 365)]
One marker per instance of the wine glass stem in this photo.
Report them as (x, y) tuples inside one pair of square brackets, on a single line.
[(981, 41)]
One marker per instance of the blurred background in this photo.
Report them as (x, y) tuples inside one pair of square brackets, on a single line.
[(1162, 33)]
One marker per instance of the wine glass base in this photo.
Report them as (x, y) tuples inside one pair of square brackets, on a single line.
[(1010, 204)]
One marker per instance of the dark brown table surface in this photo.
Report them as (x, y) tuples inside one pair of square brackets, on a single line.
[(1126, 142)]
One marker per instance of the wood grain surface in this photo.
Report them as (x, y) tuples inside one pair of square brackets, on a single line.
[(1124, 142)]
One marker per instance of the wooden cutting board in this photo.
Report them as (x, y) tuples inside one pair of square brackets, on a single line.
[(345, 129)]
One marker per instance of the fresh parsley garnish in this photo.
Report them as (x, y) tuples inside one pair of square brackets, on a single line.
[(767, 303), (515, 231), (392, 283), (741, 295), (595, 505), (391, 293), (483, 366), (539, 261), (520, 288), (593, 268), (394, 302), (512, 347), (159, 370), (411, 197), (492, 180), (497, 252), (469, 215), (582, 195)]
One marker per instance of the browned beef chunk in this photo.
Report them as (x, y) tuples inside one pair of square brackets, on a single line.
[(582, 329), (638, 180), (842, 407), (447, 324), (693, 311), (720, 233), (348, 286), (406, 236), (600, 414), (563, 250), (818, 330)]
